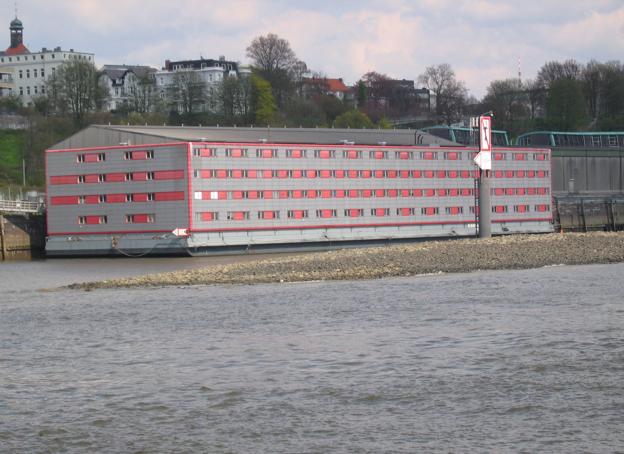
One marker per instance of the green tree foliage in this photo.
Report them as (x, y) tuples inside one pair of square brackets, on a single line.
[(303, 113), (263, 103), (362, 97), (353, 119), (331, 107), (566, 106)]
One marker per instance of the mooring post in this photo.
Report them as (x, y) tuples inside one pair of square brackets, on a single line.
[(485, 204), (2, 239)]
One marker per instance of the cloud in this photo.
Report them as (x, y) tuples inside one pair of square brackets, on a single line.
[(480, 39)]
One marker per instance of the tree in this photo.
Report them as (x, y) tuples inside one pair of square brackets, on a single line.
[(450, 94), (234, 100), (271, 54), (508, 102), (353, 119), (187, 92), (361, 94), (262, 100), (536, 98), (143, 94), (377, 89), (554, 70), (303, 113), (73, 88), (612, 92), (566, 105), (592, 77), (276, 62)]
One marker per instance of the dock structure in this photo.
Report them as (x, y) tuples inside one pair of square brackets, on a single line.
[(21, 227)]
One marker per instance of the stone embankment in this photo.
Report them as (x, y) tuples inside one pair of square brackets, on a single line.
[(451, 256)]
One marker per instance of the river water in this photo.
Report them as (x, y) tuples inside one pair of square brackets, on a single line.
[(507, 361)]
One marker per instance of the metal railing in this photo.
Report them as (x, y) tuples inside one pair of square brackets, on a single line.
[(20, 206)]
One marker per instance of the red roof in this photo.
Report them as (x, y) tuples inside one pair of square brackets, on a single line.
[(334, 85), (20, 49)]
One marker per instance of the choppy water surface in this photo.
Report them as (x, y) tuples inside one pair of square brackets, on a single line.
[(503, 361)]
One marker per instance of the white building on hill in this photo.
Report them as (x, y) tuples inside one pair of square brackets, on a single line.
[(30, 70)]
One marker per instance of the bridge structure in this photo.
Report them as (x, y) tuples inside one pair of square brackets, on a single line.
[(20, 207), (410, 121)]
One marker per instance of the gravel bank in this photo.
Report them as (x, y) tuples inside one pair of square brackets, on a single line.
[(452, 256)]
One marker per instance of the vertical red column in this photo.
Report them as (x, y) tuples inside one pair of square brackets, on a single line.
[(189, 175)]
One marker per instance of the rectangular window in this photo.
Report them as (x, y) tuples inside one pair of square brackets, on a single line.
[(378, 154), (499, 156), (404, 211), (403, 154), (140, 218), (236, 152), (297, 214), (295, 153), (326, 214), (268, 214), (499, 209), (266, 153), (429, 155), (204, 152), (542, 208), (207, 216), (521, 208), (324, 154), (352, 154), (237, 215), (454, 210), (452, 155), (429, 211), (93, 220), (354, 212), (519, 156), (380, 212)]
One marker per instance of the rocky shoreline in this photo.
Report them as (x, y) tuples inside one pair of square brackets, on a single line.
[(450, 256)]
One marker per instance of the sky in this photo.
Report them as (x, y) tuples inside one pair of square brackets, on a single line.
[(482, 40)]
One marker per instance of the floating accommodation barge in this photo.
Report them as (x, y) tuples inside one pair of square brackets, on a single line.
[(125, 190)]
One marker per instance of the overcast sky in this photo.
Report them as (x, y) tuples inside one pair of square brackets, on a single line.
[(481, 39)]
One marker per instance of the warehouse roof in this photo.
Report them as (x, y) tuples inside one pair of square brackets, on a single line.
[(112, 135)]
